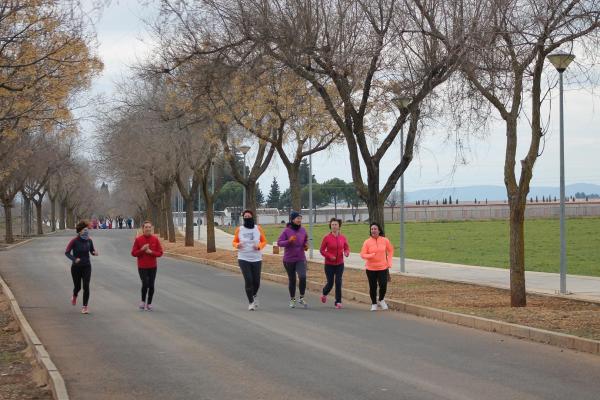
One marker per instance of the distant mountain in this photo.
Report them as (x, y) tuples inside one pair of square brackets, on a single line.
[(496, 193)]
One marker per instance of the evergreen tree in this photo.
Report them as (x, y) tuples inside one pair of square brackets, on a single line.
[(274, 195), (260, 197)]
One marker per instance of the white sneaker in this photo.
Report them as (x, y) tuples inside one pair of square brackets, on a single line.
[(251, 307), (373, 307), (255, 301), (383, 305)]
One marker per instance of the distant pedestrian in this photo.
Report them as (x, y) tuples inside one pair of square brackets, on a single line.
[(294, 240), (377, 251), (249, 239), (78, 251), (147, 249), (333, 248)]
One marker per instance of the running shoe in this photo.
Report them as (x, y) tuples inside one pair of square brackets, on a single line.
[(323, 299), (302, 302), (73, 300), (255, 302), (339, 306), (142, 306), (293, 303), (383, 305), (373, 307), (84, 310), (149, 307), (251, 307)]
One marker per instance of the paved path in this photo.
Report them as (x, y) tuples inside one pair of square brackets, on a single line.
[(581, 287), (202, 343)]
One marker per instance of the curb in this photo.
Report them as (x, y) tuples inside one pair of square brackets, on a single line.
[(12, 246), (470, 321), (52, 375)]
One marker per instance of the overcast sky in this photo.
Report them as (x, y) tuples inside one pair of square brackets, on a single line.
[(123, 39)]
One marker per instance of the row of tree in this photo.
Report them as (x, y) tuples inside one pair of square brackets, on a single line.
[(46, 62)]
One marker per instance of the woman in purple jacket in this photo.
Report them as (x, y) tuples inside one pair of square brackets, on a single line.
[(294, 240)]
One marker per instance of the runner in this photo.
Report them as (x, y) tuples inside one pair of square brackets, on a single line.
[(78, 251), (377, 251), (249, 240), (147, 249), (295, 242), (334, 247)]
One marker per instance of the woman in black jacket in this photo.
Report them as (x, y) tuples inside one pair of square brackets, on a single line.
[(78, 251)]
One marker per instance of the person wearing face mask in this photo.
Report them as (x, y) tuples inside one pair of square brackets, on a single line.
[(294, 240), (333, 248), (78, 251), (146, 248), (249, 240), (377, 251)]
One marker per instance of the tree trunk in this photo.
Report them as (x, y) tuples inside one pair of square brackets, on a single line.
[(38, 213), (375, 202), (70, 218), (155, 218), (251, 197), (53, 214), (62, 224), (518, 297), (169, 216), (295, 188), (189, 222), (163, 219), (26, 217), (211, 246), (8, 227)]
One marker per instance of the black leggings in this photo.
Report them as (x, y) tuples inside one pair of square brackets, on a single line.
[(293, 268), (147, 275), (81, 273), (334, 273), (377, 277), (251, 273)]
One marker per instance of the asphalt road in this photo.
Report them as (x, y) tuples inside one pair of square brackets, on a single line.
[(201, 342)]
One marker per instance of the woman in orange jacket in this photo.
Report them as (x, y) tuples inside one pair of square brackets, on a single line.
[(377, 251), (249, 240)]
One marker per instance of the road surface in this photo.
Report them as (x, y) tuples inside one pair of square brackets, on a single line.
[(202, 343)]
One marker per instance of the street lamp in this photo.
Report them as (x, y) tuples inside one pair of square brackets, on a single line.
[(402, 103), (561, 61), (244, 149)]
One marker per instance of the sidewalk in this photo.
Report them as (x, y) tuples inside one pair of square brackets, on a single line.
[(580, 287)]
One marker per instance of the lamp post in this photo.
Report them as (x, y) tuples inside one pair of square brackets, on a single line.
[(244, 149), (561, 61), (310, 201), (402, 103)]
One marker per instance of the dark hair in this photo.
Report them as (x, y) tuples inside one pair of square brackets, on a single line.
[(378, 226), (249, 212), (147, 222), (81, 225), (334, 219)]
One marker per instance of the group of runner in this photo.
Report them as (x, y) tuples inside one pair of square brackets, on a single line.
[(249, 240), (146, 248), (377, 251)]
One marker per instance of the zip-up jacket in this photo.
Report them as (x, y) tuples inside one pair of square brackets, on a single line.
[(294, 249), (80, 248), (333, 249), (377, 253), (145, 260)]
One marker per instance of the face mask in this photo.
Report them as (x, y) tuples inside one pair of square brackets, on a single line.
[(249, 223), (85, 235)]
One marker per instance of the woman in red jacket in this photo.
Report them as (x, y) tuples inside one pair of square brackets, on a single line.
[(147, 249), (333, 248)]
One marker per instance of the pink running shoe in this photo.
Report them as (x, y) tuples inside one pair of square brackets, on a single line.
[(84, 310), (142, 305), (323, 299), (148, 307), (73, 300), (339, 306)]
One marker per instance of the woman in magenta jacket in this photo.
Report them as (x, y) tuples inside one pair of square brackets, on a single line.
[(333, 248)]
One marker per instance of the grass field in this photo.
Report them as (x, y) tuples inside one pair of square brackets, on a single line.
[(484, 243)]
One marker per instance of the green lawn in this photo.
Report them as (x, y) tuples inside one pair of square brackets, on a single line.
[(485, 242)]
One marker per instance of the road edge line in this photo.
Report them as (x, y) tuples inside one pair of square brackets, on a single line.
[(52, 375), (489, 325)]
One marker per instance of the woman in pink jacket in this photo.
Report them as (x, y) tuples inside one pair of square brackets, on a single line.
[(334, 247), (377, 251)]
